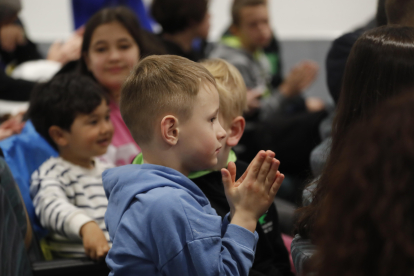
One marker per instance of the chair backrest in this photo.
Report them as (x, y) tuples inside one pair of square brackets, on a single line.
[(24, 153), (13, 257)]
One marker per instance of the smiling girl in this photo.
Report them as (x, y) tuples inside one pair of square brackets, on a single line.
[(113, 43)]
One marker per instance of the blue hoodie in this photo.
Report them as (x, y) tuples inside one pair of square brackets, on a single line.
[(161, 223)]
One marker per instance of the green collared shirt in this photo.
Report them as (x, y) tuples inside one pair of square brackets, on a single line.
[(139, 160)]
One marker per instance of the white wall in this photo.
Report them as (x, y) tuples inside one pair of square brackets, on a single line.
[(303, 19), (320, 18), (47, 20)]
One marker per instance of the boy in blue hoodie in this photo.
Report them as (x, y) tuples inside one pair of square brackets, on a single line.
[(159, 221)]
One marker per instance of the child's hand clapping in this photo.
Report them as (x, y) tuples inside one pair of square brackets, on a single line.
[(94, 241), (254, 192), (299, 78)]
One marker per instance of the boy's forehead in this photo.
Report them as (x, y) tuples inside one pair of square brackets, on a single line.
[(103, 107), (208, 95), (249, 13), (208, 88)]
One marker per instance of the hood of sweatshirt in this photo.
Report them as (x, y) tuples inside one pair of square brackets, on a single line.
[(123, 183)]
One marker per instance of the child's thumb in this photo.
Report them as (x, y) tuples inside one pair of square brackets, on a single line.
[(226, 178)]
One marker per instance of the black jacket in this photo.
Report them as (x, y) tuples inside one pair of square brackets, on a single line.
[(271, 255), (16, 89)]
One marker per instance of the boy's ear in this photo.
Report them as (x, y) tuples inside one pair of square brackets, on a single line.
[(58, 136), (236, 131), (169, 130)]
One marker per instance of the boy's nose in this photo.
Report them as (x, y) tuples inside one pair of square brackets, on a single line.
[(107, 127), (221, 133)]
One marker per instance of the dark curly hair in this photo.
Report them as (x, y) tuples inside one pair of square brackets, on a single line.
[(58, 102), (381, 65), (366, 223)]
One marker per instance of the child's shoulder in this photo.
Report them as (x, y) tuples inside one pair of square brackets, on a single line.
[(52, 166), (234, 55), (102, 164), (170, 197), (57, 167)]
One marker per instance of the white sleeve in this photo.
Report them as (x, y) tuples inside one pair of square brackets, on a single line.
[(52, 205)]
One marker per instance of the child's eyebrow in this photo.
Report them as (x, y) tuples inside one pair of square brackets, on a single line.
[(124, 39), (92, 115), (99, 42), (215, 113)]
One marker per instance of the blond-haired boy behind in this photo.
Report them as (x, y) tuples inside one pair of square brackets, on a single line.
[(272, 257), (159, 221)]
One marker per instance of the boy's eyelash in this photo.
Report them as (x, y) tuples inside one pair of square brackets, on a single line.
[(212, 119)]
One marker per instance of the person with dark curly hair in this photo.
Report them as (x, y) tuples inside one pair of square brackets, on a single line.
[(380, 66), (366, 223), (182, 22)]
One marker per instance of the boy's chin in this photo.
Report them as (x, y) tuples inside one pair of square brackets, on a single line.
[(262, 43), (207, 166), (219, 165), (100, 152)]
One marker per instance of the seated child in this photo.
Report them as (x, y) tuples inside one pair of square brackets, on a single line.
[(250, 34), (159, 221), (271, 255), (71, 112)]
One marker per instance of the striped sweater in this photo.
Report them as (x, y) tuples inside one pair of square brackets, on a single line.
[(65, 197)]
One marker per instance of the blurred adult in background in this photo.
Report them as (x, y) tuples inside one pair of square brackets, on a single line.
[(22, 66), (12, 37), (16, 48), (182, 22)]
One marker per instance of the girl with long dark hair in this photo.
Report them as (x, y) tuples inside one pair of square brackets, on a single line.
[(366, 222), (381, 65)]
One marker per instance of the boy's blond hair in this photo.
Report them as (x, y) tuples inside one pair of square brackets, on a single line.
[(160, 85), (238, 5), (230, 86)]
